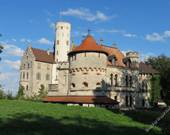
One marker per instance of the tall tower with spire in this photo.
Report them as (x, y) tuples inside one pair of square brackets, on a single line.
[(62, 41)]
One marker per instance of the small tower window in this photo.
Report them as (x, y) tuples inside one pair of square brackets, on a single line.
[(61, 27), (67, 42), (58, 42), (73, 85), (85, 84)]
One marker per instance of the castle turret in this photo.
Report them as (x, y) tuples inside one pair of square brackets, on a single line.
[(133, 59), (62, 42)]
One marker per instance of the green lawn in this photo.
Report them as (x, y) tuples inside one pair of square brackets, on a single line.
[(34, 118)]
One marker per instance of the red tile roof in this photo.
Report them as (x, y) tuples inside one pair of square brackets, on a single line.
[(43, 56), (117, 53), (81, 99), (88, 45), (146, 69)]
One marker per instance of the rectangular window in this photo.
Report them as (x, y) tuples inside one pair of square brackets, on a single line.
[(38, 76), (75, 57), (47, 77), (27, 76), (23, 75)]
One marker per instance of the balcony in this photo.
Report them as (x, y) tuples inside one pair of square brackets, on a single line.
[(120, 88)]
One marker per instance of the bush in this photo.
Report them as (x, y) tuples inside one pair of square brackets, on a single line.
[(20, 94), (2, 94)]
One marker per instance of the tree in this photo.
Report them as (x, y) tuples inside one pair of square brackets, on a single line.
[(9, 95), (2, 94), (1, 47), (42, 91), (155, 89), (20, 93), (162, 64)]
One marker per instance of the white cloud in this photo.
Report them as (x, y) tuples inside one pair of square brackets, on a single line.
[(10, 81), (154, 37), (158, 36), (44, 41), (129, 35), (51, 23), (12, 49), (13, 64), (85, 14), (24, 40), (14, 40), (145, 56), (121, 32)]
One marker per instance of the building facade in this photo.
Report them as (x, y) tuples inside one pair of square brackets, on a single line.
[(88, 74)]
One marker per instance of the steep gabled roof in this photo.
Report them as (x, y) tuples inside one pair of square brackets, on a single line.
[(43, 56), (117, 53), (146, 69)]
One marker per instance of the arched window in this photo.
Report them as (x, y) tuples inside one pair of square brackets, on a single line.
[(47, 77), (111, 79), (73, 85), (38, 76), (85, 84), (98, 83), (116, 80)]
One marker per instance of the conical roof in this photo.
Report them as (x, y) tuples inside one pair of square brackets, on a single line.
[(89, 45)]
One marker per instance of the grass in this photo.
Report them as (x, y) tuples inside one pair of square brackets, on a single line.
[(35, 118)]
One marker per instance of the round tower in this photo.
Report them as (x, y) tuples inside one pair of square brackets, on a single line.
[(87, 68), (62, 41)]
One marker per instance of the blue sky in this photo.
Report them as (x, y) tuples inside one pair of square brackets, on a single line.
[(143, 26)]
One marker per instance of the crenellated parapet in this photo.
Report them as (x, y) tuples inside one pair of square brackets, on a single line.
[(88, 69)]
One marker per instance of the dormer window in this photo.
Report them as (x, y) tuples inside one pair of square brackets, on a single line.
[(112, 59)]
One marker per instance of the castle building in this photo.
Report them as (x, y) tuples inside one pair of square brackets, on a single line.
[(89, 74)]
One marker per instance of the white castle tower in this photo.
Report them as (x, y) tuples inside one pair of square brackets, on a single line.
[(62, 42)]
